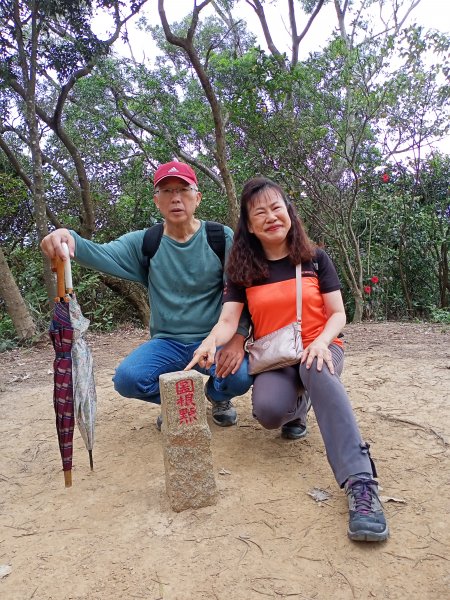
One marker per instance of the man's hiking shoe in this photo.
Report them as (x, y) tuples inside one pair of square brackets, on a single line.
[(159, 422), (367, 522), (223, 413), (294, 430)]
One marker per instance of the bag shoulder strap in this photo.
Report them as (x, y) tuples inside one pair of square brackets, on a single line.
[(215, 234), (298, 285), (151, 241)]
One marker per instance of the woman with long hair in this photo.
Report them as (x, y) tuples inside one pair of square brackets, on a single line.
[(270, 241)]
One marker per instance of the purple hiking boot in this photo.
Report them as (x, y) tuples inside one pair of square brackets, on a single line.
[(367, 522)]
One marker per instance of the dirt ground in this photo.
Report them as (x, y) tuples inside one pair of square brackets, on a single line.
[(113, 535)]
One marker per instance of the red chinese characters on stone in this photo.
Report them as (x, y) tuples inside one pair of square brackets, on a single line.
[(187, 409)]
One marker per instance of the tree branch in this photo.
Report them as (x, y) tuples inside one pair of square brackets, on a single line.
[(296, 39), (259, 10)]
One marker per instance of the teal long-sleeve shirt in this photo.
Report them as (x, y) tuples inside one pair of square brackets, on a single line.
[(184, 280)]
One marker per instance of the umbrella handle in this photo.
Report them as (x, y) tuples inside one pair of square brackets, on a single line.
[(60, 287), (67, 269)]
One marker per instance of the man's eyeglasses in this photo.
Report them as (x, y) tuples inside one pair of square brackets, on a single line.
[(169, 192)]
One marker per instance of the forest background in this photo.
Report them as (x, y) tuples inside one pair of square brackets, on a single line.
[(350, 129)]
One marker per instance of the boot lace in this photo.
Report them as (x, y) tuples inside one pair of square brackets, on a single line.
[(362, 494)]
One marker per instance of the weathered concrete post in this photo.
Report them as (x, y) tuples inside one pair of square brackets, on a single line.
[(190, 481)]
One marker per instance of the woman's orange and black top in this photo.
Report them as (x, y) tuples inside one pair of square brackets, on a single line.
[(272, 302)]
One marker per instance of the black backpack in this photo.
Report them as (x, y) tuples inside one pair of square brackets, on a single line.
[(215, 235)]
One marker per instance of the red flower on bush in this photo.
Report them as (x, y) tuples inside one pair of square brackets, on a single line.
[(385, 178), (367, 289), (374, 279)]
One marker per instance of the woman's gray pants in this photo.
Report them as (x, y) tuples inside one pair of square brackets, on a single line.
[(277, 400)]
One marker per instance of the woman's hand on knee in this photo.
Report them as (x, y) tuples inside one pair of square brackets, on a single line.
[(318, 349)]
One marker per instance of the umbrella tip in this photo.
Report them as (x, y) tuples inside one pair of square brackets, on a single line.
[(91, 460), (68, 478)]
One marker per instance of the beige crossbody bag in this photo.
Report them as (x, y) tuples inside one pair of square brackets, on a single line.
[(282, 347)]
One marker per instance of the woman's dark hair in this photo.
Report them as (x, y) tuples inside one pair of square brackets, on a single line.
[(247, 262)]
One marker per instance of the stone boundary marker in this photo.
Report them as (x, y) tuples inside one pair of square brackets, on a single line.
[(190, 481)]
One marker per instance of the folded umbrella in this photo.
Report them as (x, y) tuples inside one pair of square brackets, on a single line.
[(61, 334), (78, 389)]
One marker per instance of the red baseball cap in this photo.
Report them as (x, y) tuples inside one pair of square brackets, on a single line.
[(175, 169)]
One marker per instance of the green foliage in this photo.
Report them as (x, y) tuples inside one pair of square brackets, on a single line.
[(14, 208), (63, 54), (440, 315), (7, 334)]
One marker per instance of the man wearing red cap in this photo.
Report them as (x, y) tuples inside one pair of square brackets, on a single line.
[(175, 169), (184, 279)]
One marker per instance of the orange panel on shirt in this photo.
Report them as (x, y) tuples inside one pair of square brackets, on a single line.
[(273, 305)]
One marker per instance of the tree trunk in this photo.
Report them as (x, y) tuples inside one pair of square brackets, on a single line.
[(39, 204), (15, 304), (403, 278), (359, 308), (443, 275)]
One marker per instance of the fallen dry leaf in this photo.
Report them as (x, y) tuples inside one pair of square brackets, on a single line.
[(5, 570), (319, 495), (385, 499)]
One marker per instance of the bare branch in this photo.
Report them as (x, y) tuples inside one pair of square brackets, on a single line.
[(232, 25), (340, 12), (296, 39), (259, 10)]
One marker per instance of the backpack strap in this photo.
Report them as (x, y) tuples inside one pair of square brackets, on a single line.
[(215, 235), (151, 241)]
